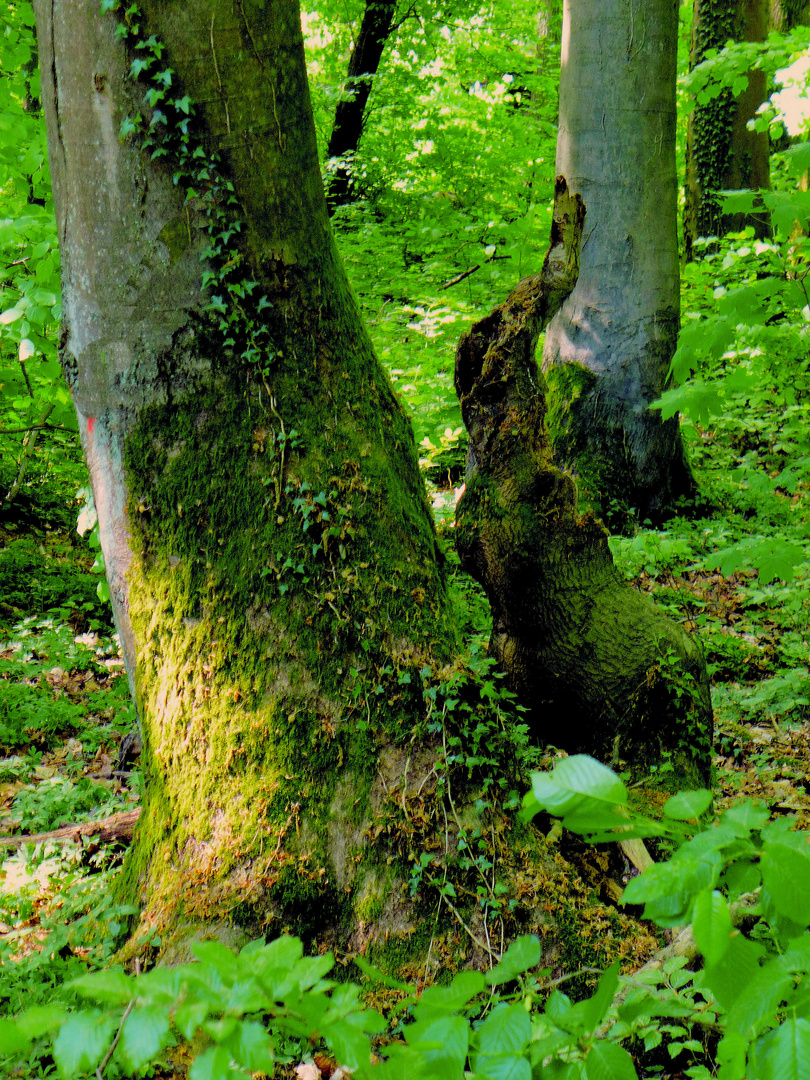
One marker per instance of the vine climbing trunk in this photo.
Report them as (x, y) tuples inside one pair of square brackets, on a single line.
[(721, 153), (600, 669), (350, 114), (607, 352)]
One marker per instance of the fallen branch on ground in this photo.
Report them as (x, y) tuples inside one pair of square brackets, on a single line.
[(118, 828)]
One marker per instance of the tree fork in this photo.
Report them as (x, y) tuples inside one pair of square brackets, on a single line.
[(599, 667)]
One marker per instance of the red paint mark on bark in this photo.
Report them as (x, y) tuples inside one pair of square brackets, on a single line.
[(91, 423)]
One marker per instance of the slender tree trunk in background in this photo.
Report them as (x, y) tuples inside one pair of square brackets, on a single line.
[(785, 14), (272, 558), (607, 352), (722, 154), (599, 667), (549, 25), (378, 18)]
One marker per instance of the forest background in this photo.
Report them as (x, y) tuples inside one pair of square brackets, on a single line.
[(454, 174)]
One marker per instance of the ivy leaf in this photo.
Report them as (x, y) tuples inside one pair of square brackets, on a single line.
[(139, 65), (183, 104)]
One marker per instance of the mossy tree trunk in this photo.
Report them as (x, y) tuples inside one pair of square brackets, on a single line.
[(271, 555), (350, 114), (599, 667), (607, 352), (721, 153)]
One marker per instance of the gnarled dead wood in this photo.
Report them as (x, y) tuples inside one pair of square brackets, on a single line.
[(600, 668)]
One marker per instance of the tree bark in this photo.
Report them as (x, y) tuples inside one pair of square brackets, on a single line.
[(600, 669), (722, 154), (785, 14), (607, 352), (347, 129)]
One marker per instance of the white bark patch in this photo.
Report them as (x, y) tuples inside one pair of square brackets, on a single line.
[(103, 108)]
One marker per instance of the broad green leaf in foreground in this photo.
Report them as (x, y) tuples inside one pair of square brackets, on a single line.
[(606, 1061), (575, 778), (522, 954), (688, 804), (82, 1042), (711, 924), (786, 876), (783, 1054), (145, 1032)]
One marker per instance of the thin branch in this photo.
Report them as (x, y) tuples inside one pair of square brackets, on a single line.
[(466, 274), (106, 1060), (32, 427), (476, 940)]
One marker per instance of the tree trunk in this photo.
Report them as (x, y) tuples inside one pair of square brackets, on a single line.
[(607, 352), (601, 670), (785, 14), (721, 153), (263, 523), (378, 18), (271, 555)]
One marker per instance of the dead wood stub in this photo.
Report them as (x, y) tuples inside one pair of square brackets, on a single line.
[(582, 650)]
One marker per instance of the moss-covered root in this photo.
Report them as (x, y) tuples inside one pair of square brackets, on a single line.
[(600, 668)]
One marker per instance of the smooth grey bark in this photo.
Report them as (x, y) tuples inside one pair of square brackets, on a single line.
[(607, 352)]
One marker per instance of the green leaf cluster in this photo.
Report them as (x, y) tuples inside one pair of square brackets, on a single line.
[(756, 984)]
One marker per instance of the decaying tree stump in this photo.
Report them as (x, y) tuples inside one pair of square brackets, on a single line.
[(600, 668)]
